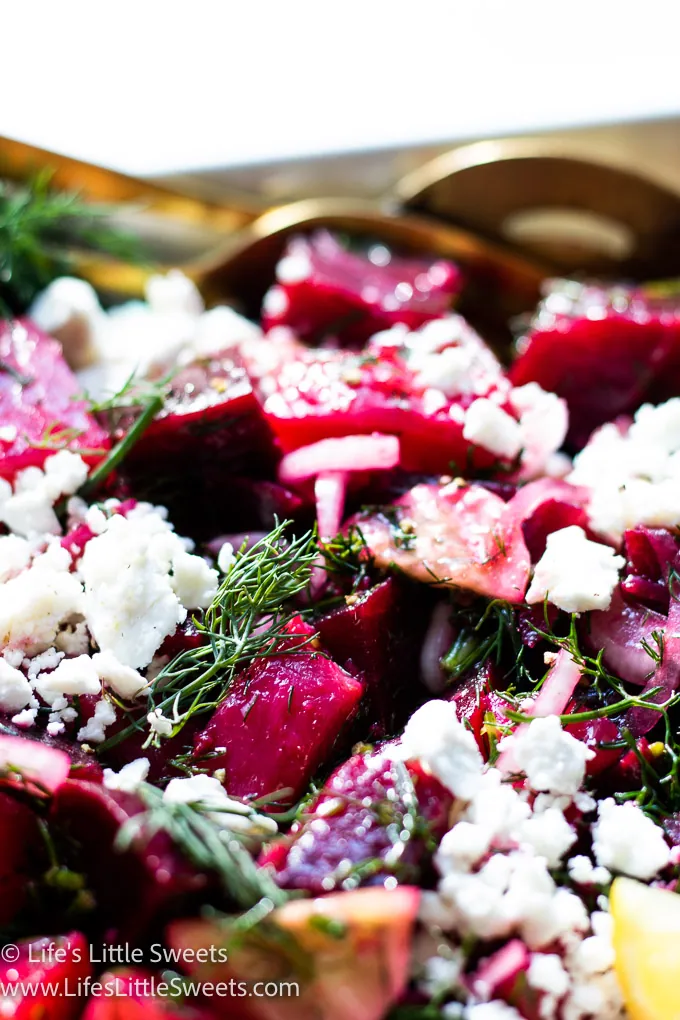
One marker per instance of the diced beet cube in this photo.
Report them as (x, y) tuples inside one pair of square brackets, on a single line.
[(605, 351), (211, 414), (594, 733), (323, 290), (22, 855), (474, 697), (378, 633), (548, 505), (60, 961), (348, 821), (210, 429), (38, 394), (132, 889), (280, 722)]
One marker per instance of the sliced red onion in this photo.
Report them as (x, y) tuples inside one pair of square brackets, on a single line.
[(346, 453), (667, 677), (438, 640), (329, 492), (553, 698)]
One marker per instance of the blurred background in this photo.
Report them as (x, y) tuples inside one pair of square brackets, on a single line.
[(274, 101)]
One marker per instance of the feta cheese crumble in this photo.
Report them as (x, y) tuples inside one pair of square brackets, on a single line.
[(627, 841), (130, 777), (552, 759), (575, 574), (634, 475), (488, 425), (448, 750)]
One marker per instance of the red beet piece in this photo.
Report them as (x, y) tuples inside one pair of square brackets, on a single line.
[(325, 291), (650, 554), (548, 505), (38, 399), (211, 413), (310, 395), (280, 722), (605, 351), (474, 697), (210, 428), (594, 734), (22, 855), (353, 819), (62, 962), (378, 633), (132, 889), (503, 976)]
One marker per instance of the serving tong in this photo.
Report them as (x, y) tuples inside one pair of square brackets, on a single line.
[(511, 213)]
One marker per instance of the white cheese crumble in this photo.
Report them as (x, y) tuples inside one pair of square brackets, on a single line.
[(552, 759), (575, 574), (635, 475), (546, 974), (130, 777), (582, 871), (225, 558), (488, 425), (34, 606), (28, 509), (158, 723), (72, 676), (130, 603), (15, 690), (123, 680), (15, 555), (93, 732), (627, 841), (435, 736)]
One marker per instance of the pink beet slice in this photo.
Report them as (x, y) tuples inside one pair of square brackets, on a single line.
[(38, 394), (62, 962), (134, 888), (605, 351), (351, 821), (351, 960), (548, 505), (44, 767), (22, 855), (325, 291), (459, 536), (280, 722)]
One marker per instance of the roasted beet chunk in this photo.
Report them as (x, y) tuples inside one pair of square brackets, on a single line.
[(378, 634), (132, 889), (60, 962), (38, 401), (605, 351), (210, 429), (280, 722), (351, 828), (324, 291), (22, 855)]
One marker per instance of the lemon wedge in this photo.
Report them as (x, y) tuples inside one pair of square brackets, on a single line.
[(647, 949)]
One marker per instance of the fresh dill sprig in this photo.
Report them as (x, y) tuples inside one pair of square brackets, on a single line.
[(485, 638), (246, 620), (122, 448), (208, 844), (347, 555), (39, 226)]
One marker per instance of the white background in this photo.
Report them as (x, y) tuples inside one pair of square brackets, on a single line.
[(156, 86)]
